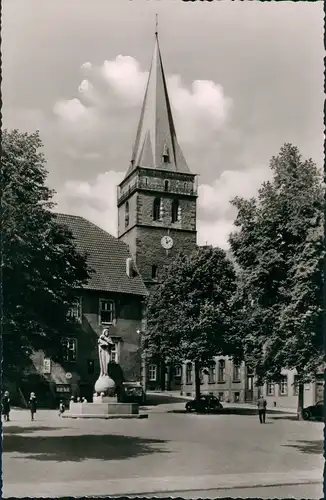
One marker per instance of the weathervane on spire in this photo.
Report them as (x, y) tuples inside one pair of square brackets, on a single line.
[(156, 24)]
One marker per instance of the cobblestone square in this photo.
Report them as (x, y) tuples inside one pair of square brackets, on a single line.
[(56, 457)]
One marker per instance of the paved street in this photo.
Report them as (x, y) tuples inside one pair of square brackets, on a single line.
[(167, 452), (311, 491)]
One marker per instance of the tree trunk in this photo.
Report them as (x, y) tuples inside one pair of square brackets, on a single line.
[(300, 401), (169, 380), (162, 377), (197, 382)]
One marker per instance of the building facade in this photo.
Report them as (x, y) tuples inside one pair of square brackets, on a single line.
[(235, 383), (285, 393), (226, 379), (113, 298)]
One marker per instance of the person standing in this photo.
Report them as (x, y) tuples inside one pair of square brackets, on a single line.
[(62, 408), (262, 403), (6, 406), (32, 405)]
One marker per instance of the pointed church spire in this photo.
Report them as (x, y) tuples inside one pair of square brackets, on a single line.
[(156, 144)]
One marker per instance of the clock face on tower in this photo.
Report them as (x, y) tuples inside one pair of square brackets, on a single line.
[(167, 242)]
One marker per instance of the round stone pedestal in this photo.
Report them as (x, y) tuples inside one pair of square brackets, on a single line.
[(104, 384)]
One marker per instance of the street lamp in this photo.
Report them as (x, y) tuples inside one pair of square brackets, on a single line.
[(142, 360)]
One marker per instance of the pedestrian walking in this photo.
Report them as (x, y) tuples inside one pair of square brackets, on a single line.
[(6, 406), (61, 408), (261, 404), (32, 404)]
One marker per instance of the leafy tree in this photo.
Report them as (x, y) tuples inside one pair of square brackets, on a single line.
[(40, 267), (189, 316), (280, 250)]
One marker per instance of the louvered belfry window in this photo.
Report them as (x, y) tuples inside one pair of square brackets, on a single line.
[(126, 214), (157, 209), (175, 211)]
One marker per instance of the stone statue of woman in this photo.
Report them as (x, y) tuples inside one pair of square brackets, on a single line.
[(104, 383)]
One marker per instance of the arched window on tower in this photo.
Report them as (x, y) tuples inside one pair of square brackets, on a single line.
[(166, 185), (157, 209), (126, 214), (154, 272), (175, 211)]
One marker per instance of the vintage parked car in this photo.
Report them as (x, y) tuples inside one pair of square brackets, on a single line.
[(315, 411), (132, 392), (208, 403)]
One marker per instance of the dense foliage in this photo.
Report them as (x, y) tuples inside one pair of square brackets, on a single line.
[(280, 250), (189, 316), (40, 267)]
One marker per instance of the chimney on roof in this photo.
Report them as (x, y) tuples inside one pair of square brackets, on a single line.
[(130, 268)]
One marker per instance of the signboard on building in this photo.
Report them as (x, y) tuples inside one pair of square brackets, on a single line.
[(46, 365), (63, 388)]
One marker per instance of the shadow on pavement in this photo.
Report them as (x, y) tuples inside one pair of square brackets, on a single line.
[(311, 447), (228, 411), (154, 400), (294, 418), (15, 429), (82, 447)]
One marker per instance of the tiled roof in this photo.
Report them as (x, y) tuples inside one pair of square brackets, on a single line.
[(106, 255)]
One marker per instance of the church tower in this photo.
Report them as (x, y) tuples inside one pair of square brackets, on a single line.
[(157, 198)]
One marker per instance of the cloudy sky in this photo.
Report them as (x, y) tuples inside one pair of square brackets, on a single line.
[(243, 77)]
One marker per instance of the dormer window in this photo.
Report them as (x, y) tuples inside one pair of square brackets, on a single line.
[(166, 185), (166, 154)]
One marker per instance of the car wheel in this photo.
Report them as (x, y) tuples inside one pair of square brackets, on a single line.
[(306, 415), (188, 407)]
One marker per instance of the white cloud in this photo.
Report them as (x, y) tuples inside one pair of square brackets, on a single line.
[(200, 111), (125, 78), (119, 84), (96, 201), (71, 110), (76, 118), (85, 87), (215, 198), (86, 65), (214, 233)]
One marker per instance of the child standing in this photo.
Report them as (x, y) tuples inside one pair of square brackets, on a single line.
[(6, 406), (61, 408), (32, 405)]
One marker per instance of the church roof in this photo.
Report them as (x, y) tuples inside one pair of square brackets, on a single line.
[(106, 255), (156, 138)]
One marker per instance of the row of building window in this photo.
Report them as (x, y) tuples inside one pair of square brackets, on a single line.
[(283, 387), (153, 375), (211, 372), (106, 311)]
